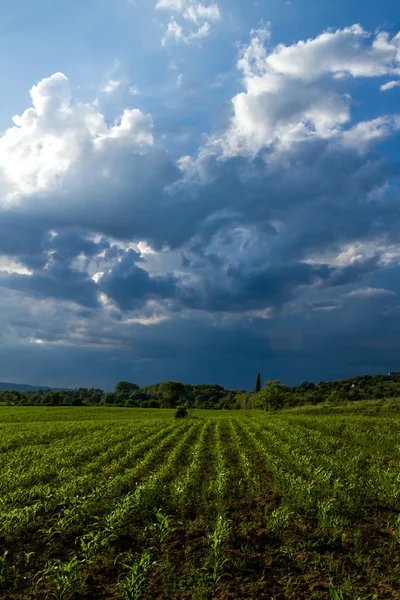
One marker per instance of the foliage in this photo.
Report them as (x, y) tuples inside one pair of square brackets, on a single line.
[(172, 393), (181, 412), (138, 571), (257, 387), (133, 504), (212, 396), (273, 395)]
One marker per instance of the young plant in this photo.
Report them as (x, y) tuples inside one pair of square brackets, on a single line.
[(162, 527), (3, 569), (334, 595), (279, 519), (397, 530), (215, 561), (61, 577), (90, 545), (138, 571)]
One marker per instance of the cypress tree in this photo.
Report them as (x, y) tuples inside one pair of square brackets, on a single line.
[(258, 383)]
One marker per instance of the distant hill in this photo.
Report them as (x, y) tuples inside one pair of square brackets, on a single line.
[(23, 387)]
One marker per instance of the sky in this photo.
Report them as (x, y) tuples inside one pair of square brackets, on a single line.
[(198, 191)]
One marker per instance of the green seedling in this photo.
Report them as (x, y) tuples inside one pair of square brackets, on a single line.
[(28, 556), (138, 571), (162, 527), (3, 569), (61, 577), (335, 595), (215, 562)]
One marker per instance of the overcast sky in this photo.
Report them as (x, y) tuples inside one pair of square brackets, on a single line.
[(199, 191)]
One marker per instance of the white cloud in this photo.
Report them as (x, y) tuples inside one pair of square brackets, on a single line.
[(52, 138), (389, 85), (345, 51), (199, 12), (202, 31), (367, 132), (370, 292), (144, 248), (172, 5), (191, 12), (296, 92), (134, 90), (153, 320), (111, 86), (12, 266), (174, 31), (97, 276)]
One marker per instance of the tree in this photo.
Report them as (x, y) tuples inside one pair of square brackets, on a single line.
[(55, 398), (108, 398), (172, 393), (139, 396), (153, 404), (335, 397), (124, 389), (258, 383), (200, 400), (181, 412), (273, 395)]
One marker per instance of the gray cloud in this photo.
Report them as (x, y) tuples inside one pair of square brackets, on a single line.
[(254, 248), (129, 286)]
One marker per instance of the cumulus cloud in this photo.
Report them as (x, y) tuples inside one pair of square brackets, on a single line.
[(282, 217), (130, 286), (54, 136), (351, 51), (299, 91)]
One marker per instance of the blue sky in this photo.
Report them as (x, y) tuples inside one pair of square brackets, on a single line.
[(198, 190)]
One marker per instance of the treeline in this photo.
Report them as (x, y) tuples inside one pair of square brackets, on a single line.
[(362, 387), (170, 394)]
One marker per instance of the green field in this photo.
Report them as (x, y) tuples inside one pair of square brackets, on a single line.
[(116, 503)]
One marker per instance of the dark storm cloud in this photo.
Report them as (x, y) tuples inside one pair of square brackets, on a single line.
[(318, 193), (276, 229), (23, 237), (312, 346), (129, 286), (58, 281), (70, 243)]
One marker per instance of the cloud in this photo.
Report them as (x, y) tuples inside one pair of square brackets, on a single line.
[(299, 91), (134, 90), (130, 286), (54, 136), (389, 85), (253, 246), (351, 51), (377, 130), (369, 292), (190, 13), (191, 10), (174, 31), (111, 86), (61, 163), (58, 281)]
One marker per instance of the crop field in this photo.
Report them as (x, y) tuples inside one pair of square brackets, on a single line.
[(116, 503)]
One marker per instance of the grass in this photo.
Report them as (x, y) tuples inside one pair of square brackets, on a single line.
[(99, 503)]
